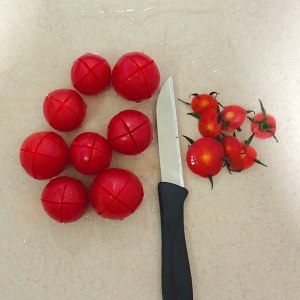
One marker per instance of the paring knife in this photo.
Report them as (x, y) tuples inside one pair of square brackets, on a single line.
[(176, 274)]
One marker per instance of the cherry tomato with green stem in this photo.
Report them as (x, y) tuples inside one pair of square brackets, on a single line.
[(205, 157), (204, 101), (246, 158), (233, 117), (263, 125)]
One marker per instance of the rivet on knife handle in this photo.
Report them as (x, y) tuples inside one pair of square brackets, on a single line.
[(176, 274)]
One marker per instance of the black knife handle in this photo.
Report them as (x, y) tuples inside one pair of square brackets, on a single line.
[(176, 274)]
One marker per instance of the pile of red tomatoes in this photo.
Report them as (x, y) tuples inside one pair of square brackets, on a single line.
[(115, 193)]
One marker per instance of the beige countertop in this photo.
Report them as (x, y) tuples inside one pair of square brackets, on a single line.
[(243, 237)]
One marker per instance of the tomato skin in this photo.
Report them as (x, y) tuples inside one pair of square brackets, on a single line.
[(202, 102), (205, 157), (232, 147), (208, 123), (245, 160), (235, 115), (263, 134)]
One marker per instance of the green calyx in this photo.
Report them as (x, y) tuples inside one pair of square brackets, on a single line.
[(225, 124), (264, 125), (194, 95), (214, 94)]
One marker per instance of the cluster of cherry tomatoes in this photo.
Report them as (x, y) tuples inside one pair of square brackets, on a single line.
[(115, 193), (219, 146)]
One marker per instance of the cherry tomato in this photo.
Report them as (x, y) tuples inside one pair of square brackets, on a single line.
[(210, 123), (65, 199), (64, 109), (245, 160), (90, 153), (232, 147), (130, 132), (262, 127), (205, 157), (234, 116), (135, 76), (90, 74), (203, 102), (116, 193), (44, 155)]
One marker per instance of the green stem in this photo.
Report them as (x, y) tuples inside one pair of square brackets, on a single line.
[(249, 140), (274, 136), (184, 102), (221, 105), (260, 163), (254, 121), (197, 116), (263, 110), (191, 141), (228, 168), (211, 181)]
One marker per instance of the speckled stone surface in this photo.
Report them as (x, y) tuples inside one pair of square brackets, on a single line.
[(243, 237)]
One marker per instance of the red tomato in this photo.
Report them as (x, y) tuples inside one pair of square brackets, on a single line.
[(234, 115), (232, 147), (44, 155), (205, 157), (64, 109), (265, 128), (90, 153), (135, 76), (203, 102), (116, 193), (90, 74), (130, 132), (65, 199), (209, 125), (245, 160)]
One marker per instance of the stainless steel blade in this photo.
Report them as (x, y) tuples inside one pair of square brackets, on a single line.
[(168, 141)]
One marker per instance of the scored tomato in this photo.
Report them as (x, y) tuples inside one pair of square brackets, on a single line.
[(205, 157), (202, 102), (210, 123), (233, 117)]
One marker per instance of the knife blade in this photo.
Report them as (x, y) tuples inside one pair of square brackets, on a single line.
[(176, 274)]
